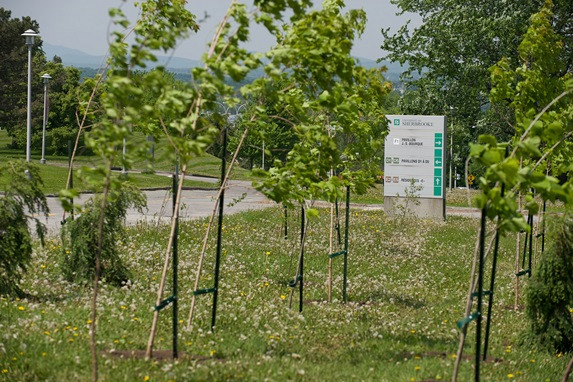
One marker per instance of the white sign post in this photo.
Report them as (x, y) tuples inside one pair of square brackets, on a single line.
[(415, 156)]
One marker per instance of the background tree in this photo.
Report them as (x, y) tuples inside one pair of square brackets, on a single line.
[(452, 50), (63, 88), (64, 97), (14, 74)]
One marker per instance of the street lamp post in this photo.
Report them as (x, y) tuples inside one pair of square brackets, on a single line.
[(451, 144), (29, 34), (46, 78)]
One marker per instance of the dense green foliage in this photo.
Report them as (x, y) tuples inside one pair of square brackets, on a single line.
[(333, 107), (63, 93), (550, 291), (540, 151), (14, 72), (22, 198), (80, 239), (452, 50)]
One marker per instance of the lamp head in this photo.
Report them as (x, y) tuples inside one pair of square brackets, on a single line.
[(46, 77), (30, 34)]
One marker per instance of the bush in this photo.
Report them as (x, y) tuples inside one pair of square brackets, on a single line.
[(80, 238), (22, 197), (549, 294)]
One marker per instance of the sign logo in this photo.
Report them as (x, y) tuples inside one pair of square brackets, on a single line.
[(396, 122), (396, 141)]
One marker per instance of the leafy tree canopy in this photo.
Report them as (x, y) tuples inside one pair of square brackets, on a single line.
[(456, 44)]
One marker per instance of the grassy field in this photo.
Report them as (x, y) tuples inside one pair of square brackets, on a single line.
[(407, 285), (207, 165), (55, 177), (54, 173)]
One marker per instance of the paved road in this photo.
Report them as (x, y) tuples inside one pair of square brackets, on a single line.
[(200, 203), (195, 203)]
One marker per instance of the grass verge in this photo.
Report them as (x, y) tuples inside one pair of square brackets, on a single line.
[(55, 178), (407, 286)]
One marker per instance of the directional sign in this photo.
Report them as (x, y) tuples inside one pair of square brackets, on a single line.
[(414, 152)]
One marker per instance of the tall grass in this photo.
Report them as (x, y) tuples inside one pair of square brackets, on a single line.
[(407, 285)]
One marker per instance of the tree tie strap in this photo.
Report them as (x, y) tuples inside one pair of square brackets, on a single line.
[(165, 302), (336, 254), (466, 320), (199, 292), (523, 272), (293, 283)]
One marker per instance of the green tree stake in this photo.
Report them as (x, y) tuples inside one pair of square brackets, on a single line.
[(480, 293), (337, 223), (543, 229), (301, 264), (219, 230), (70, 149), (492, 285), (286, 221), (530, 244), (175, 262), (346, 243)]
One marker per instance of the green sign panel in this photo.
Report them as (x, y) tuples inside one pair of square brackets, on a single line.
[(438, 140)]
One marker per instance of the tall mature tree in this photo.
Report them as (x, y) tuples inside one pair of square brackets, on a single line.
[(454, 47), (14, 72), (64, 98)]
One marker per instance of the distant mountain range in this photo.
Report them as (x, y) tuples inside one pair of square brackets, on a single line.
[(80, 59)]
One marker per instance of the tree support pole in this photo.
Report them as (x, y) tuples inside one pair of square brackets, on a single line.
[(338, 223), (492, 285), (331, 247), (219, 231), (175, 263), (301, 262), (530, 244), (480, 295), (286, 222), (346, 244), (71, 175), (543, 229)]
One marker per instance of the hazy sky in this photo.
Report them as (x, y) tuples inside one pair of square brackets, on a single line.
[(84, 24)]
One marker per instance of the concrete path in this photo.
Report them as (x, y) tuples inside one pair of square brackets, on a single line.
[(239, 196), (195, 203)]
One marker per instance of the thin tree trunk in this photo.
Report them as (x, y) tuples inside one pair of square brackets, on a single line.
[(93, 326), (568, 371)]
